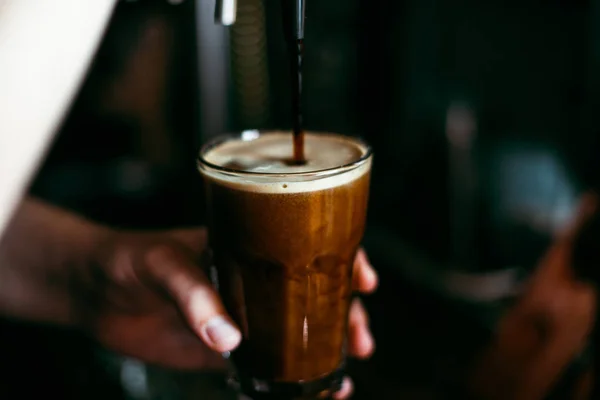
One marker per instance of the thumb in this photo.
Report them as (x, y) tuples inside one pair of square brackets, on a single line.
[(173, 269)]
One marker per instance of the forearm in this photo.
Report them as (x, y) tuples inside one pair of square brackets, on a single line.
[(42, 253)]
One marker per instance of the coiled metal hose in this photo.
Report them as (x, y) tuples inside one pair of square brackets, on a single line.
[(249, 65)]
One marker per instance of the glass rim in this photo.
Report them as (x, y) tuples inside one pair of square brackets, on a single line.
[(224, 138)]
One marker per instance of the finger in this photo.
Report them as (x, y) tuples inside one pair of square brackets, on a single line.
[(364, 278), (194, 239), (158, 341), (195, 297), (360, 340), (346, 390)]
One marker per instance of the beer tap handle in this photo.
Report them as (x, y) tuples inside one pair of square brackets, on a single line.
[(225, 12)]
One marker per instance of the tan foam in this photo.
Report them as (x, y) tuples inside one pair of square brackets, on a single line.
[(267, 154)]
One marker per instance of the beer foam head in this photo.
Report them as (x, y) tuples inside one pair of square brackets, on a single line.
[(261, 162)]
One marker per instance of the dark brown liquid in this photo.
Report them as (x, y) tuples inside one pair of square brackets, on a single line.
[(294, 39), (284, 264), (297, 52)]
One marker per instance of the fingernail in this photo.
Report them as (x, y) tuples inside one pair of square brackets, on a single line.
[(369, 344), (370, 279), (345, 391), (221, 334), (346, 385), (364, 258)]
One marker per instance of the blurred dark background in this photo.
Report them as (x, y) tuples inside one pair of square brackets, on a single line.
[(482, 115)]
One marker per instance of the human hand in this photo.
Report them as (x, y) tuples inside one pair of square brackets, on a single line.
[(150, 300), (546, 328)]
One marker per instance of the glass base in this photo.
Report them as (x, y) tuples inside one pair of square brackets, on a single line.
[(256, 389)]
